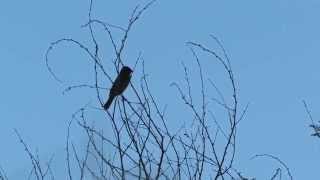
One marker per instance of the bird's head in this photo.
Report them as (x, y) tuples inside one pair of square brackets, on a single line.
[(126, 70)]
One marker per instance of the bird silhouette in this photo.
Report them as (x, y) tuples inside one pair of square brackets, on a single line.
[(119, 85)]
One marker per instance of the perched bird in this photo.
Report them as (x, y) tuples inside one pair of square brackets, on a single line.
[(119, 85)]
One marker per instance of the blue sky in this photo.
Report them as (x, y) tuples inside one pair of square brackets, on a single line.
[(273, 47)]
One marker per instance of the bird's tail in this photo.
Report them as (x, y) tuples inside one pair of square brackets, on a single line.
[(108, 103)]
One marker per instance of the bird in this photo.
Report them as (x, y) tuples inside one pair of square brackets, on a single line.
[(119, 85)]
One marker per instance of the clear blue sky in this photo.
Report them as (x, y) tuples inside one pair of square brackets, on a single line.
[(273, 47)]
